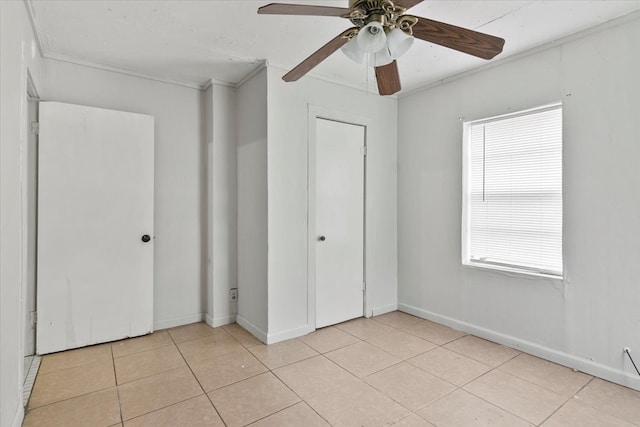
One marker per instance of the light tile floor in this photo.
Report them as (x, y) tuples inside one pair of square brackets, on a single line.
[(393, 369)]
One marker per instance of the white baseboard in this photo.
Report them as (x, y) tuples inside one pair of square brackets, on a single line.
[(215, 322), (178, 321), (19, 417), (287, 335), (384, 309), (584, 365), (255, 331)]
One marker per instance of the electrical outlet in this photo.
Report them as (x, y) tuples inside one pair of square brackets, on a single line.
[(233, 293)]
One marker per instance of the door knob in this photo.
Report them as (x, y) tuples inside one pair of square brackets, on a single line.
[(322, 238), (146, 238)]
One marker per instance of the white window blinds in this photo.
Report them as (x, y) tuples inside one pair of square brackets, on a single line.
[(514, 191)]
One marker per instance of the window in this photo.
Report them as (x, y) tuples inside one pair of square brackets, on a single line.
[(512, 200)]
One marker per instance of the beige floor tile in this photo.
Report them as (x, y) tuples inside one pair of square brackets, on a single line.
[(297, 415), (144, 364), (397, 319), (208, 347), (195, 412), (190, 332), (522, 398), (372, 408), (328, 339), (402, 344), (71, 382), (362, 359), (243, 336), (313, 377), (575, 414), (483, 351), (95, 409), (226, 369), (136, 345), (73, 358), (450, 366), (434, 332), (282, 353), (250, 400), (161, 390), (460, 408), (365, 328), (546, 374), (621, 402), (408, 385), (413, 421)]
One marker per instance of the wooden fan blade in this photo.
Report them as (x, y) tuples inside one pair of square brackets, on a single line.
[(464, 40), (302, 9), (317, 57), (407, 3), (388, 79)]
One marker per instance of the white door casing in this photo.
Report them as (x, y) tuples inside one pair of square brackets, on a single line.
[(29, 218), (95, 203), (339, 221)]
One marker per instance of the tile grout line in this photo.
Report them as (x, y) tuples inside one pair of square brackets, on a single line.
[(290, 389), (115, 378), (489, 402), (492, 368), (197, 380), (456, 387), (567, 401)]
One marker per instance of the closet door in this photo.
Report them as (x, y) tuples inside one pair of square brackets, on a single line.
[(339, 221), (95, 226)]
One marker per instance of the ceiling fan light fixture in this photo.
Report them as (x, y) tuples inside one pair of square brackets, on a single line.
[(372, 37), (352, 51), (399, 42)]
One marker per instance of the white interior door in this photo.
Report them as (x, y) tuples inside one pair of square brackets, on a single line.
[(339, 221), (95, 208)]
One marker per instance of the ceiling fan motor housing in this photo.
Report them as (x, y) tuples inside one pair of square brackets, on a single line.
[(383, 11)]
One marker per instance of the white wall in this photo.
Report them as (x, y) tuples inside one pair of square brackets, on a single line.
[(251, 132), (288, 106), (18, 55), (585, 320), (222, 213), (180, 187)]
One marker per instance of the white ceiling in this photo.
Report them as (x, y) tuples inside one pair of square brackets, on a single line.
[(192, 42)]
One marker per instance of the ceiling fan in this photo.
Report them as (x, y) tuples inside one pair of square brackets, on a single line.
[(382, 32)]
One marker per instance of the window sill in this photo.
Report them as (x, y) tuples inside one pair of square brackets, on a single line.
[(514, 270)]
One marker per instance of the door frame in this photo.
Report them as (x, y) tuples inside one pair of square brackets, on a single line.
[(319, 112), (29, 231)]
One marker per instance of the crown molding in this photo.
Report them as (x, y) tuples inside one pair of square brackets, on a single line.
[(621, 20), (261, 66), (90, 64)]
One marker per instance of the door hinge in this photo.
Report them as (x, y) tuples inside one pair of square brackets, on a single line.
[(35, 128), (364, 286), (363, 150), (34, 318)]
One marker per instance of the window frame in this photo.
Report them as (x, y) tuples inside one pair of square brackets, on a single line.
[(467, 261)]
